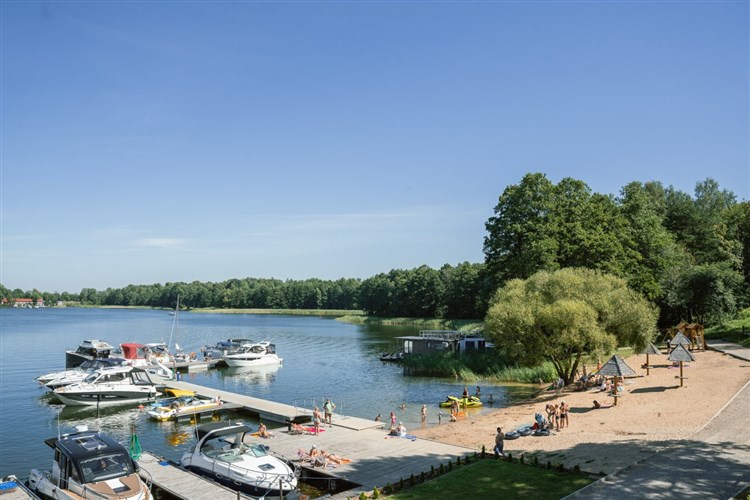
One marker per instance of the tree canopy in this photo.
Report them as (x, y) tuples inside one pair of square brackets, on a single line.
[(559, 316)]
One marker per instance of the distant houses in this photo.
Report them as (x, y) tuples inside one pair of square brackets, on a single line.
[(22, 302)]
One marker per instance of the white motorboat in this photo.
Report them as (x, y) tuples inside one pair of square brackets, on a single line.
[(224, 347), (257, 354), (89, 464), (108, 386), (88, 349), (222, 455), (54, 380), (172, 408)]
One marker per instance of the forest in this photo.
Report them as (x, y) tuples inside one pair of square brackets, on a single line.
[(688, 254)]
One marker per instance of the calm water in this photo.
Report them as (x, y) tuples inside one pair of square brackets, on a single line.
[(322, 358)]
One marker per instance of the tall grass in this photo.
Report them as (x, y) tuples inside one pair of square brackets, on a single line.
[(422, 323), (475, 366)]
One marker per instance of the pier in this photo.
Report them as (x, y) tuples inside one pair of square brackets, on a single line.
[(377, 459), (179, 482)]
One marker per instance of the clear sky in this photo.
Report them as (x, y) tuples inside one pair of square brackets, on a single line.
[(147, 142)]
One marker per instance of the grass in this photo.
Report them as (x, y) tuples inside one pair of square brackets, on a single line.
[(498, 479), (735, 330), (422, 323)]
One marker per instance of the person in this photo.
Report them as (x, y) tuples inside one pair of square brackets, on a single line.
[(328, 408), (103, 465), (478, 393), (563, 415), (491, 400), (550, 409), (378, 418), (393, 421), (403, 405), (499, 443), (598, 405), (217, 399), (332, 457), (399, 431), (263, 431), (316, 420), (423, 413), (466, 393)]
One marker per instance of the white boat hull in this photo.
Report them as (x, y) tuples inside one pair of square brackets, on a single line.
[(100, 396), (236, 360)]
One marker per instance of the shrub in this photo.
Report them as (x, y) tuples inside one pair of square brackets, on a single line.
[(375, 492)]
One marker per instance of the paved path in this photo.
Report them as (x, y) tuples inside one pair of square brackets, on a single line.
[(715, 463)]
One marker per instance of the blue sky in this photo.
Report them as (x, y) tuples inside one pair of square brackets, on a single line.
[(147, 142)]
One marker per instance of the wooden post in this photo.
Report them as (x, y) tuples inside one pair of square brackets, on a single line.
[(615, 395), (680, 373), (647, 365)]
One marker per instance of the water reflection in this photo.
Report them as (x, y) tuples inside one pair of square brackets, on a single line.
[(259, 375)]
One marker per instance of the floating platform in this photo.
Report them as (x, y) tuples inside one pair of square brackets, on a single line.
[(13, 489), (179, 482)]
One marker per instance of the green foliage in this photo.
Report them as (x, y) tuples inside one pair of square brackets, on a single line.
[(563, 315), (362, 495), (375, 492), (707, 293)]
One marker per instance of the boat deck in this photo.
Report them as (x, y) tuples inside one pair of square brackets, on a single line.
[(14, 490)]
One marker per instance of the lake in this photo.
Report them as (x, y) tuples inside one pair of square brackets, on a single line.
[(322, 358)]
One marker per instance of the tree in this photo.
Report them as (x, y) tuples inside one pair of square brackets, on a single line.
[(560, 316)]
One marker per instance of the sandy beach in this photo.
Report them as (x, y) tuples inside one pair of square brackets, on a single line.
[(653, 413)]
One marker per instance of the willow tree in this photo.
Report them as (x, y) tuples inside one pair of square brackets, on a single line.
[(560, 316)]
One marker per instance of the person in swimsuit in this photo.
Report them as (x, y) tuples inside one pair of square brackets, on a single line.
[(563, 414), (316, 420), (393, 421), (423, 413)]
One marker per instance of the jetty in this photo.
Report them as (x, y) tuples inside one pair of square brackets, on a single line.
[(376, 459), (12, 489), (179, 482)]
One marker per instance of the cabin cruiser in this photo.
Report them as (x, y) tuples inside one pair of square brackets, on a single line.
[(108, 386), (60, 379), (222, 455), (88, 349), (89, 464), (257, 354), (224, 347)]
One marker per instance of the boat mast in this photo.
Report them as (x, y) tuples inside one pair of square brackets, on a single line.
[(174, 324)]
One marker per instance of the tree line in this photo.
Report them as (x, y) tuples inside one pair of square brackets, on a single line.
[(688, 254)]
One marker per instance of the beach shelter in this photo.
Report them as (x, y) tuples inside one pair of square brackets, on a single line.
[(679, 339), (616, 367), (682, 355), (650, 349)]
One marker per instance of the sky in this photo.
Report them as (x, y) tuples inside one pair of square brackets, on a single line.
[(165, 141)]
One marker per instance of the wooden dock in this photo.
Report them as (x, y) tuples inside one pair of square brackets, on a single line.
[(179, 482), (376, 458), (13, 489)]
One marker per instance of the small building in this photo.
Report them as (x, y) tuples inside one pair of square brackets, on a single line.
[(23, 302), (443, 340)]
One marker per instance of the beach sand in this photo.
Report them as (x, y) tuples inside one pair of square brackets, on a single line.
[(653, 414)]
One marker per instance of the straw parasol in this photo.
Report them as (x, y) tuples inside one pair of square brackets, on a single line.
[(616, 367), (650, 349), (679, 339), (680, 354)]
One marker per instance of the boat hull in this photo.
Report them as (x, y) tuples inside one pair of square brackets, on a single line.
[(108, 398), (266, 360)]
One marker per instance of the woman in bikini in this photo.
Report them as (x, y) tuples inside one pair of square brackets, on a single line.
[(316, 420)]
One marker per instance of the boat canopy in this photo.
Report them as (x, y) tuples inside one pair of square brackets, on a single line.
[(219, 429), (133, 351)]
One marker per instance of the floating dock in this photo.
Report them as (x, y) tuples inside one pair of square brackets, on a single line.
[(12, 489), (179, 482), (377, 459)]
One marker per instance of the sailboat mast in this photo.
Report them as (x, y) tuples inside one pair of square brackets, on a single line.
[(174, 324)]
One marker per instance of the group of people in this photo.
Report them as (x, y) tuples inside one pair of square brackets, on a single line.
[(326, 418), (557, 415)]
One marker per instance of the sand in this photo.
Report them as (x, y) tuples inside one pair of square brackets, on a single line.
[(655, 412)]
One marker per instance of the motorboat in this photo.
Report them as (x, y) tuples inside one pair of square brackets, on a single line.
[(392, 357), (88, 349), (224, 347), (54, 380), (222, 455), (468, 402), (108, 386), (89, 464), (152, 354), (257, 354), (173, 408)]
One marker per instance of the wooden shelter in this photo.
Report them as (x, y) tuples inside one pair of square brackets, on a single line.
[(616, 367), (693, 331), (682, 355)]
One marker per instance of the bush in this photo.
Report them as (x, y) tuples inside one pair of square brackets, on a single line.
[(375, 492)]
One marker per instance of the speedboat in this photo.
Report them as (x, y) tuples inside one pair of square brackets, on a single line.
[(89, 464), (59, 379), (172, 408), (469, 402), (88, 349), (257, 354), (108, 386), (222, 455)]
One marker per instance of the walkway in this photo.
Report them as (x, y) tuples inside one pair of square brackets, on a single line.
[(715, 463)]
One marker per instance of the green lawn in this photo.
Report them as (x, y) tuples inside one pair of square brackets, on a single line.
[(733, 330), (498, 479)]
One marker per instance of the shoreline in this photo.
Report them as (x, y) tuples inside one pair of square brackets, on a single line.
[(655, 413)]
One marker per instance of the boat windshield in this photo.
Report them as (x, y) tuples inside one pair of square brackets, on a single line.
[(91, 377), (105, 467)]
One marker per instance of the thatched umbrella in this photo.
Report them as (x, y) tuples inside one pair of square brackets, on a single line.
[(650, 349), (616, 367), (680, 354)]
